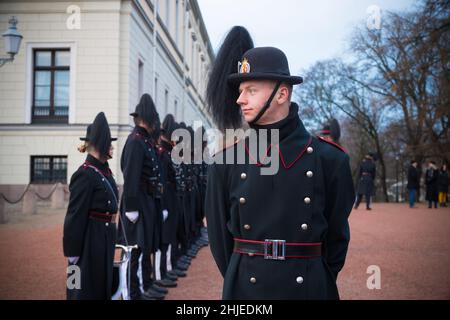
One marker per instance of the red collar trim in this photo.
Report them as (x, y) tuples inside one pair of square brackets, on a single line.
[(105, 173), (283, 162)]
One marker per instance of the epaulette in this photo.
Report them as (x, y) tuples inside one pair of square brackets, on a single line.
[(332, 143)]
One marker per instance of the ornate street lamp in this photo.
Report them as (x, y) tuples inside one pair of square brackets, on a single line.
[(12, 41)]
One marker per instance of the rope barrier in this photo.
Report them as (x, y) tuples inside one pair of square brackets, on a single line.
[(18, 200), (37, 194)]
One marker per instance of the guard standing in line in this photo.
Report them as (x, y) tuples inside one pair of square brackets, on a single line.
[(202, 238), (142, 184), (90, 223), (281, 236), (181, 261), (366, 180), (168, 201)]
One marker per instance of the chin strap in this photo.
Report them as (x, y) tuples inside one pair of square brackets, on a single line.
[(267, 105)]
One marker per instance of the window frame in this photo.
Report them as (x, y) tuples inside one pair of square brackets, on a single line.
[(51, 169), (51, 118)]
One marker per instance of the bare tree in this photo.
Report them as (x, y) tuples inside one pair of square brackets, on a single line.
[(407, 62), (329, 91)]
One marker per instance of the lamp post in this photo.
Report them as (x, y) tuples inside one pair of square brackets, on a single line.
[(12, 41), (396, 174)]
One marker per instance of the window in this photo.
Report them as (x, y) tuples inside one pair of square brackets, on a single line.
[(155, 92), (48, 169), (175, 111), (177, 21), (166, 102), (140, 79), (51, 78), (192, 57), (168, 14)]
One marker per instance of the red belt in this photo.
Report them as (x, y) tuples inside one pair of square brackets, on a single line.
[(103, 217), (278, 249)]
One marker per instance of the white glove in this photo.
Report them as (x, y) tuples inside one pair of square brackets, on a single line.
[(165, 214), (73, 260), (132, 216)]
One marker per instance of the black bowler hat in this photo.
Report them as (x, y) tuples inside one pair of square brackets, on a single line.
[(146, 110), (168, 126), (264, 63), (332, 129), (99, 135)]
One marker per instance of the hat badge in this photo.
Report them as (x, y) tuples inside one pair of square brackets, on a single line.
[(244, 66)]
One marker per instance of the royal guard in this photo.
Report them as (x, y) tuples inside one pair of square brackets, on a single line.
[(283, 235), (140, 214), (169, 204), (181, 260), (366, 181), (90, 223)]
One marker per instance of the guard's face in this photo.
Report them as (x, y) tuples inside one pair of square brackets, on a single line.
[(111, 152), (253, 95)]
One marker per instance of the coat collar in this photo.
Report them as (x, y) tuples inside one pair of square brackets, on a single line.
[(141, 131), (102, 167), (294, 140), (166, 145)]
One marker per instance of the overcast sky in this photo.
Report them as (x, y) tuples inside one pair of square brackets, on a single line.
[(306, 30)]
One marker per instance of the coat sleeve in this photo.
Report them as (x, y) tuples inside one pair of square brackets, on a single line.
[(75, 223), (218, 216), (340, 203), (132, 171)]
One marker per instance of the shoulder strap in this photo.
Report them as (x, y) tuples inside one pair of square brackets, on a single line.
[(107, 182)]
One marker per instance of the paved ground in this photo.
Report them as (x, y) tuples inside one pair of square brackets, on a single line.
[(410, 246)]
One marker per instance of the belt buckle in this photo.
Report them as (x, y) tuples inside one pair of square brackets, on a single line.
[(278, 251)]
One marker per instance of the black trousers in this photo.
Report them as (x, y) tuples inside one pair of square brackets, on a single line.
[(146, 267), (430, 203), (359, 199)]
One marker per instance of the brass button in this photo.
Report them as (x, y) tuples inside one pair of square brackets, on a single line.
[(307, 200), (107, 224), (299, 280), (253, 280), (242, 200), (243, 176), (309, 174), (251, 254), (305, 226), (309, 150), (247, 227)]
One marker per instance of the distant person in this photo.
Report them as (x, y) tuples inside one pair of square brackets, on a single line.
[(443, 181), (413, 182), (366, 181), (431, 182)]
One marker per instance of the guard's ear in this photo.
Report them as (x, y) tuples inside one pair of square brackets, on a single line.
[(283, 94)]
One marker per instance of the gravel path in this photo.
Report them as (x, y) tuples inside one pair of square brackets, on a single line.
[(410, 246)]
